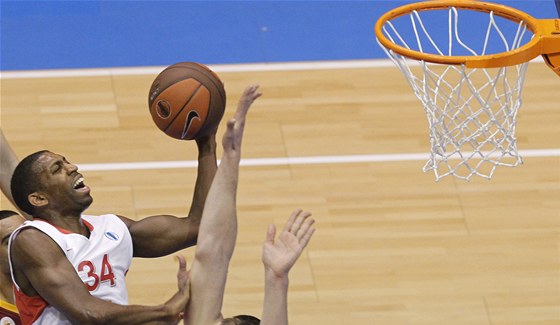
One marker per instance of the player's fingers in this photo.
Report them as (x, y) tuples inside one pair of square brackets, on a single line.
[(255, 92), (307, 237), (253, 88), (270, 234), (306, 225), (182, 262), (302, 216), (290, 222)]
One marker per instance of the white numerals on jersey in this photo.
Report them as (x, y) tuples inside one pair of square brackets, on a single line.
[(94, 280)]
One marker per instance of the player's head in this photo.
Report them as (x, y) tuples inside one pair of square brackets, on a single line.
[(9, 221), (23, 181), (45, 180), (241, 320)]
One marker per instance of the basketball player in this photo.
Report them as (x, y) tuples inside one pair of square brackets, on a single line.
[(9, 221), (53, 256), (218, 232)]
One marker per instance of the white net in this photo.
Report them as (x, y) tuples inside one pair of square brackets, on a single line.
[(471, 112)]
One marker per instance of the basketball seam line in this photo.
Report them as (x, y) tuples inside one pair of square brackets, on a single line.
[(204, 73), (182, 108), (216, 86)]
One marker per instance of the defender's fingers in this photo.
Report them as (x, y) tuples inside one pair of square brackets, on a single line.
[(292, 219), (182, 261), (304, 228), (270, 234), (302, 216), (307, 237)]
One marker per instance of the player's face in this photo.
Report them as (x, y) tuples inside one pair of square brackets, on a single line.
[(63, 185), (7, 226)]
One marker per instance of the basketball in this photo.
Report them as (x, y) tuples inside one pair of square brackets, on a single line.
[(187, 100)]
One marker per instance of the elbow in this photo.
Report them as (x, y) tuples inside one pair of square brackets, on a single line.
[(192, 238), (213, 254)]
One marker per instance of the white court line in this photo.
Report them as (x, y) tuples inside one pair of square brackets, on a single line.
[(291, 161), (277, 66), (273, 66), (308, 65)]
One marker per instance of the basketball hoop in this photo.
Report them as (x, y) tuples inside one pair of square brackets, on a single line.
[(469, 81)]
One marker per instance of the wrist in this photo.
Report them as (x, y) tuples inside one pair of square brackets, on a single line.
[(276, 278), (206, 146), (172, 309)]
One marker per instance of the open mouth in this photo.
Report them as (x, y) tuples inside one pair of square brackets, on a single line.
[(79, 183)]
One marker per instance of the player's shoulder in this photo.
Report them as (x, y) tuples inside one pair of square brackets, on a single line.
[(27, 245), (30, 230)]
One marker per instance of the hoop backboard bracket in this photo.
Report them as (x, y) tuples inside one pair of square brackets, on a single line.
[(552, 57), (553, 62)]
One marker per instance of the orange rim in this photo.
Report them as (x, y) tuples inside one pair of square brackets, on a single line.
[(525, 53)]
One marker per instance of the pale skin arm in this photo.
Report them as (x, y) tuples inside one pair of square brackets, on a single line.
[(279, 256), (8, 162), (41, 265), (218, 229), (165, 234)]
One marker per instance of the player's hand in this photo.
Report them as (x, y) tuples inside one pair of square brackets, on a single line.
[(279, 255), (235, 126), (176, 305)]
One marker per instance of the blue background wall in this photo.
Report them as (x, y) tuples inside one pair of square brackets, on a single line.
[(88, 34)]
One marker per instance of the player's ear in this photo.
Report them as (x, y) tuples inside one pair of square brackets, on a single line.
[(37, 199)]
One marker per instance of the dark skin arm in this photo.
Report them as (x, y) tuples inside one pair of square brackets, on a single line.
[(164, 234), (42, 268)]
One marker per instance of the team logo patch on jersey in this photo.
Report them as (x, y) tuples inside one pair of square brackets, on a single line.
[(111, 235)]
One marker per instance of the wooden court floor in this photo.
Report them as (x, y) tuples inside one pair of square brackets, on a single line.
[(392, 246)]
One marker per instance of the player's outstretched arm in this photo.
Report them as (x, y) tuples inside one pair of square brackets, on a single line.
[(161, 235), (164, 234), (40, 267), (279, 255), (8, 163), (218, 228)]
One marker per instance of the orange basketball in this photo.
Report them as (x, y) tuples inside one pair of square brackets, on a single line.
[(187, 100)]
